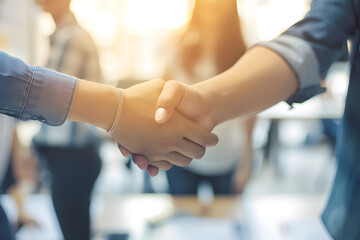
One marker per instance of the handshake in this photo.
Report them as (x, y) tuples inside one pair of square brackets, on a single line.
[(163, 124)]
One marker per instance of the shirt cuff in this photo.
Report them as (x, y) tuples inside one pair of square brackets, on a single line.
[(49, 97), (301, 58)]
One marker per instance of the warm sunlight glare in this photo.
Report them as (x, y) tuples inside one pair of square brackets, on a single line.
[(265, 19), (144, 16), (97, 18), (273, 19)]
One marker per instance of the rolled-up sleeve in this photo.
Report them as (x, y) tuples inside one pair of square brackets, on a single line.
[(314, 43), (34, 93)]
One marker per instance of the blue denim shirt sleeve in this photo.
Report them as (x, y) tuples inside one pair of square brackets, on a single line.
[(34, 93), (311, 45)]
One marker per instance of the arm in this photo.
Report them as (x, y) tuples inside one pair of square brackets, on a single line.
[(243, 171), (95, 104), (40, 94), (248, 87), (136, 129), (287, 68), (34, 93), (26, 176)]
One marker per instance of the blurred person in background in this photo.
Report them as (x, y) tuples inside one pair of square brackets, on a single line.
[(18, 171), (73, 147), (211, 43), (21, 176)]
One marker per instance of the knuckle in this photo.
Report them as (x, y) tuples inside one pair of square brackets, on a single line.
[(166, 102), (199, 154), (158, 151), (167, 166), (173, 83), (155, 157), (184, 162), (210, 140), (164, 165), (155, 164), (187, 162), (172, 145), (159, 80), (151, 156), (179, 144)]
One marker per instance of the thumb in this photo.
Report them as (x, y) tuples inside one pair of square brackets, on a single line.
[(169, 99)]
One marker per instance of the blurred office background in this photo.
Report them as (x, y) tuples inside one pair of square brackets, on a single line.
[(293, 151)]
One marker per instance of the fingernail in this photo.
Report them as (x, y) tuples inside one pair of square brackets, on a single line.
[(160, 114), (142, 165)]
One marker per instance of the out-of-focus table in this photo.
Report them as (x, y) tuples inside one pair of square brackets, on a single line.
[(262, 217), (141, 215), (285, 217), (315, 109), (149, 216), (329, 105), (319, 107)]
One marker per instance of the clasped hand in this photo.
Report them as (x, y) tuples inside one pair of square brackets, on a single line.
[(176, 141)]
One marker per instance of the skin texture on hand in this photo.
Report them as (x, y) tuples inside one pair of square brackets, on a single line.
[(177, 141), (140, 161), (187, 100)]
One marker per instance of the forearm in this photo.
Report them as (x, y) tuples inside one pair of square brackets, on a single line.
[(94, 103), (245, 161), (249, 86), (247, 153)]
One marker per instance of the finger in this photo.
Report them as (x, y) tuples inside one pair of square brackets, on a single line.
[(169, 98), (153, 171), (191, 149), (201, 136), (141, 161), (178, 159), (164, 165), (124, 151)]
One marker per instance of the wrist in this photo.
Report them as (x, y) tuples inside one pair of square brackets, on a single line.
[(95, 103), (209, 104), (120, 104)]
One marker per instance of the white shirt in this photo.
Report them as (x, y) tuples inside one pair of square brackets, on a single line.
[(223, 157)]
